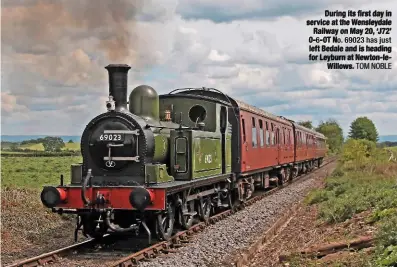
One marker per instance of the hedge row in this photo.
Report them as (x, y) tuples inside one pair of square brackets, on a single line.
[(41, 154)]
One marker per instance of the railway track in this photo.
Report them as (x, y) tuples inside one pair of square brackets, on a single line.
[(107, 253)]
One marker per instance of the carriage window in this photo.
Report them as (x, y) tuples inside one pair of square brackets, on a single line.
[(300, 138), (281, 131), (272, 137), (288, 137), (277, 136), (254, 136), (267, 134), (262, 134), (244, 137), (284, 135)]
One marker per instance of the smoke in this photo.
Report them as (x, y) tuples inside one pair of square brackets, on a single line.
[(44, 26)]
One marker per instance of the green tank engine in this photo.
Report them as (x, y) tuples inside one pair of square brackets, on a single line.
[(158, 158)]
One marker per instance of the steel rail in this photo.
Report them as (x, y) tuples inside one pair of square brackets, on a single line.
[(53, 256)]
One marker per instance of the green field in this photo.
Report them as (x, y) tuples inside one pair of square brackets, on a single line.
[(34, 172), (393, 148), (72, 146), (40, 147)]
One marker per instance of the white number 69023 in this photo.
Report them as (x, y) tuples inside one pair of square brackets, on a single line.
[(110, 137)]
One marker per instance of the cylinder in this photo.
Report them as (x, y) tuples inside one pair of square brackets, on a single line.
[(118, 83)]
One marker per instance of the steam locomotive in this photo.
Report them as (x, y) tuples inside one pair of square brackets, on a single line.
[(156, 164)]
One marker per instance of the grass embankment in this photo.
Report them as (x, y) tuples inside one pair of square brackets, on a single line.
[(364, 181), (24, 218), (34, 172)]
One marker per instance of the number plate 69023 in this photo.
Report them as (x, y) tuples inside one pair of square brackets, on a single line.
[(111, 137)]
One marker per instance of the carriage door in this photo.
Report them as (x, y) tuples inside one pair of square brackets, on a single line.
[(278, 146), (283, 145), (223, 124), (244, 144)]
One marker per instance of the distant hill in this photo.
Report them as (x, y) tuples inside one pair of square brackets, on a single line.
[(20, 138), (390, 138)]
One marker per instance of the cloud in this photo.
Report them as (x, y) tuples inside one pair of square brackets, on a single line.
[(9, 104)]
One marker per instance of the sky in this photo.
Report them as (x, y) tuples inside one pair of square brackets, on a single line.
[(53, 54)]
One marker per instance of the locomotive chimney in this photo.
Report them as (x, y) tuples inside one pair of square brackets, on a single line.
[(118, 77)]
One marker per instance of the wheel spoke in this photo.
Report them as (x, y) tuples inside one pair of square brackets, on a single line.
[(165, 223)]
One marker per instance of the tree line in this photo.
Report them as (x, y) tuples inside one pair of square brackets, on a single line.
[(50, 144), (360, 128)]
